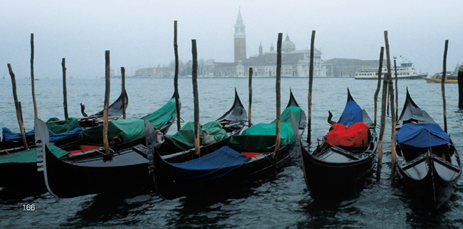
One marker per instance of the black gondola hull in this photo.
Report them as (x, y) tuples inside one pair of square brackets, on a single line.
[(169, 188), (428, 175), (335, 180), (123, 171), (432, 190), (338, 172)]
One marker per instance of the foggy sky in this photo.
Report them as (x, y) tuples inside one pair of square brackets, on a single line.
[(139, 33)]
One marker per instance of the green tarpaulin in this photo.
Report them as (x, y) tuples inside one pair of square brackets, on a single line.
[(62, 126), (30, 156), (128, 130), (184, 138), (261, 137)]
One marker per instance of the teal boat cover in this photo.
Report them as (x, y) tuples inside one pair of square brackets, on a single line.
[(262, 137), (56, 130), (30, 156), (184, 138), (129, 130)]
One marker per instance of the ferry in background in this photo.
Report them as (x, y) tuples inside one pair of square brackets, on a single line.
[(406, 70)]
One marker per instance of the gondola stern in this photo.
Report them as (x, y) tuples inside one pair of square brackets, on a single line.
[(42, 140)]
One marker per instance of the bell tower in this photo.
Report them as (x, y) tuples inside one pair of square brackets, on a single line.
[(240, 39)]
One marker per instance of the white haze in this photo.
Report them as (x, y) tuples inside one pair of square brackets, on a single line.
[(139, 33)]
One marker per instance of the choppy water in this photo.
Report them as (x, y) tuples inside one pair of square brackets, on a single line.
[(284, 202)]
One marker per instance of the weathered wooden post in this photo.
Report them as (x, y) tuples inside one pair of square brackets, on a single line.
[(124, 115), (195, 97), (18, 107), (176, 93), (65, 96), (32, 76), (396, 92), (250, 97), (309, 123), (393, 111), (378, 87), (444, 73), (383, 116), (460, 87), (278, 102), (106, 103)]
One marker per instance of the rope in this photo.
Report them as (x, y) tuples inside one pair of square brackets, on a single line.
[(371, 155), (271, 161), (104, 153)]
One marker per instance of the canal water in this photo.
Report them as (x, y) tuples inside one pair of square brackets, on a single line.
[(281, 203)]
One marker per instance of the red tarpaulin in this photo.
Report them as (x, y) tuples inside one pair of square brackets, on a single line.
[(356, 135)]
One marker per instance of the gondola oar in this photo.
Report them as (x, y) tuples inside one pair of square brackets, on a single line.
[(176, 93), (106, 103), (378, 87), (195, 97), (250, 97), (278, 102), (443, 85), (18, 107), (309, 126)]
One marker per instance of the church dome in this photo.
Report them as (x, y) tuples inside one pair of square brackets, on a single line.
[(287, 45)]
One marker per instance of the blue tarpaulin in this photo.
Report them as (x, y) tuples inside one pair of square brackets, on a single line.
[(10, 136), (421, 135), (352, 114), (211, 166)]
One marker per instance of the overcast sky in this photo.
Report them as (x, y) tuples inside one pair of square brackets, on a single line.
[(139, 33)]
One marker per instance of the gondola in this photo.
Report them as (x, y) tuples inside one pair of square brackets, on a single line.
[(230, 123), (12, 142), (427, 162), (338, 166), (20, 168), (247, 156), (125, 168), (115, 111)]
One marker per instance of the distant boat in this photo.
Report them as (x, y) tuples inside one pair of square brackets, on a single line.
[(437, 78), (406, 70)]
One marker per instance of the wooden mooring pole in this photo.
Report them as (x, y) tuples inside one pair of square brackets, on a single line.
[(65, 95), (383, 117), (18, 107), (378, 87), (195, 97), (176, 93), (124, 115), (32, 76), (444, 73), (106, 102), (278, 103), (309, 123), (250, 97), (460, 87)]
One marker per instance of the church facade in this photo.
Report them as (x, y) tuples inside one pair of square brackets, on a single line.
[(295, 63)]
